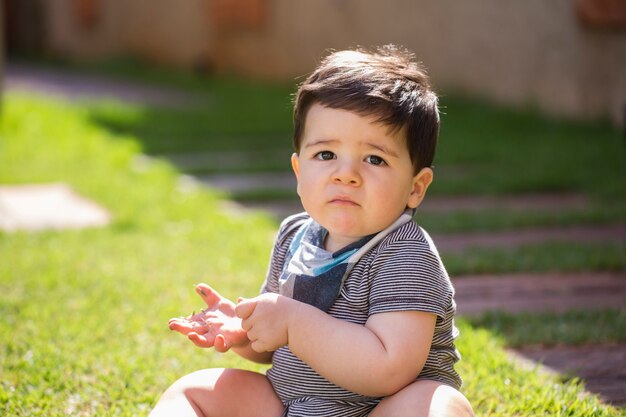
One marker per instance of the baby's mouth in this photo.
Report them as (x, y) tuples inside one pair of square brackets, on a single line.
[(343, 201)]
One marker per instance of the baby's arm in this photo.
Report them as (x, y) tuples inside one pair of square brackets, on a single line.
[(376, 359), (217, 326)]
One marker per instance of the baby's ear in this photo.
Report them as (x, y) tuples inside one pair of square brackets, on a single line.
[(421, 181), (295, 164)]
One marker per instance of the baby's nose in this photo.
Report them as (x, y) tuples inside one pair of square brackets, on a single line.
[(347, 173)]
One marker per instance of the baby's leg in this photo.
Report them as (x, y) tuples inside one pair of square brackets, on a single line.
[(219, 392), (425, 399)]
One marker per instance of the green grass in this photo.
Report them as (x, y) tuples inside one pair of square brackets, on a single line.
[(493, 219), (528, 151), (234, 117), (541, 257), (85, 312), (549, 329)]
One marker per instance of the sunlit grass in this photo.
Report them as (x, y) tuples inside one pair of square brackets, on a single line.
[(539, 257), (493, 149), (548, 329)]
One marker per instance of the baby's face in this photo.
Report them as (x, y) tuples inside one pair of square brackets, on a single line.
[(355, 177)]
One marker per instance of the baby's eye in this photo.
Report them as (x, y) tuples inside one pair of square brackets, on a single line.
[(375, 160), (325, 155)]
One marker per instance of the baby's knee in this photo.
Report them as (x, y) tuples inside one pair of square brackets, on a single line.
[(425, 399), (202, 380), (193, 394), (222, 392), (448, 402)]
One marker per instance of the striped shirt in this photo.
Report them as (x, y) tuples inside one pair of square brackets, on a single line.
[(402, 273)]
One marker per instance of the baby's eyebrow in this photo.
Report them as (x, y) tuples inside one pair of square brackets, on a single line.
[(320, 142), (382, 149)]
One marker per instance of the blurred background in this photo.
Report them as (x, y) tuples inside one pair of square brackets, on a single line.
[(568, 57)]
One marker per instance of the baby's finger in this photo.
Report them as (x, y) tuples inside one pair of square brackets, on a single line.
[(179, 326), (211, 297), (185, 326), (221, 344), (258, 346), (245, 308), (179, 320), (200, 340)]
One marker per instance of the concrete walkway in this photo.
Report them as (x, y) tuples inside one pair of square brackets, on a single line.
[(475, 294)]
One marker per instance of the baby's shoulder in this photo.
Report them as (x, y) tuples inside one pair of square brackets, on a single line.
[(289, 226), (409, 234), (292, 223), (407, 243)]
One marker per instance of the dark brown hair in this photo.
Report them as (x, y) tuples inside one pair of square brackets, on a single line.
[(388, 84)]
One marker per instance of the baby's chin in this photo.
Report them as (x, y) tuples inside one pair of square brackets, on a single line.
[(347, 230)]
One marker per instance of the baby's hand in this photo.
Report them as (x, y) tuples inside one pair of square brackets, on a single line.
[(216, 326), (265, 318)]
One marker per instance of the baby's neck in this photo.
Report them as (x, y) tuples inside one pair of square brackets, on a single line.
[(333, 244)]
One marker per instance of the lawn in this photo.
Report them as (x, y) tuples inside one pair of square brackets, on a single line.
[(84, 312)]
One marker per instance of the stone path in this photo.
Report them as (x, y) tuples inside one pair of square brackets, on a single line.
[(555, 292), (47, 207), (602, 366), (609, 233)]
